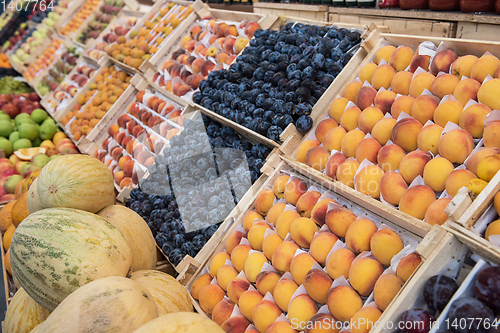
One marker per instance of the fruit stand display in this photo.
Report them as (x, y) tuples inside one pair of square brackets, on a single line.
[(28, 51), (71, 24)]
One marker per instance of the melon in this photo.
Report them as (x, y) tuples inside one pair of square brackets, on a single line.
[(111, 304), (32, 200), (137, 231), (23, 313), (30, 179), (169, 294), (185, 322), (20, 210), (5, 216), (57, 250), (7, 237), (27, 153), (76, 181)]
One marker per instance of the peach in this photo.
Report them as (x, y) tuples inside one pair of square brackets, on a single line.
[(319, 210), (416, 200), (405, 133), (455, 145), (333, 139), (202, 281), (463, 65), (317, 157), (365, 97), (428, 138), (323, 127), (217, 262), (270, 243), (317, 284), (386, 288), (226, 274), (488, 167), (466, 90), (339, 220), (236, 324), (392, 187), (366, 72), (280, 183), (444, 85), (350, 142), (283, 292), (436, 171), (408, 265), (446, 111), (248, 301), (253, 265), (457, 179), (274, 212), (435, 214), (239, 256), (339, 263), (401, 104), (368, 149), (323, 322), (343, 303), (359, 234), (301, 309), (300, 265), (491, 135), (400, 83), (363, 274), (249, 219), (367, 180), (442, 61), (283, 256), (284, 222), (264, 314), (280, 327), (264, 201), (294, 189), (487, 94), (368, 118), (210, 296), (384, 100), (389, 157), (266, 281), (222, 311), (418, 60), (349, 119), (382, 76), (302, 231), (473, 160), (401, 58), (492, 229), (472, 119), (236, 288), (306, 203), (338, 106), (346, 171), (256, 235), (420, 82), (423, 108), (385, 244), (350, 93), (234, 240), (384, 52), (321, 245), (333, 163), (486, 65), (365, 319)]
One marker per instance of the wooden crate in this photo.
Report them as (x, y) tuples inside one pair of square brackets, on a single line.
[(310, 12)]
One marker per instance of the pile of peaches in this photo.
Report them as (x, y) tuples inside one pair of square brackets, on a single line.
[(77, 19), (144, 42), (96, 101), (406, 131), (298, 253), (209, 46), (44, 60)]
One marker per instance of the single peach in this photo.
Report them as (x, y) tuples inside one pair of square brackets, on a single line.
[(392, 187), (321, 245), (416, 200)]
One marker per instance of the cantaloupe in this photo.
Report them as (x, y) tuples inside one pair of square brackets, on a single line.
[(57, 250), (137, 232), (185, 322), (5, 216), (76, 181), (20, 210), (111, 304), (23, 313), (170, 295), (32, 200)]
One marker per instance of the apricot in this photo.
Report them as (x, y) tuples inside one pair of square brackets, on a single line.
[(249, 218), (463, 65), (284, 222), (294, 190), (333, 139), (365, 97), (419, 60), (416, 200), (303, 149), (472, 119), (350, 93), (400, 83), (367, 180), (248, 301), (226, 274), (217, 262), (491, 135), (487, 94), (306, 203), (253, 265), (266, 281), (401, 104), (386, 288), (382, 131), (236, 288), (369, 117), (442, 61), (202, 281), (400, 59), (350, 117), (210, 296), (359, 234), (457, 179), (384, 100), (444, 85), (274, 212), (283, 292), (256, 235), (405, 133), (366, 72), (338, 105), (385, 244), (264, 201), (234, 240), (486, 65), (408, 265), (323, 127), (367, 149), (317, 157), (436, 172), (321, 245), (392, 187), (283, 256), (423, 108), (382, 76), (364, 320), (300, 265), (449, 110), (235, 324), (455, 145), (466, 90), (343, 303), (222, 311), (492, 229), (239, 256), (350, 142), (339, 263), (319, 210), (428, 138), (270, 243), (363, 275), (435, 214), (413, 164), (302, 231), (346, 171), (301, 309), (339, 220), (279, 185), (488, 167), (420, 82), (473, 160), (389, 157)]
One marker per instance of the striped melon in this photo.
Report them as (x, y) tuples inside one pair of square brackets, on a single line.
[(170, 295), (57, 250), (185, 322), (23, 313), (112, 304), (32, 200), (136, 230), (76, 181)]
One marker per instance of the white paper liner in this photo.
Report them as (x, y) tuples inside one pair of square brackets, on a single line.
[(418, 71), (491, 117), (449, 126), (236, 311), (337, 246)]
